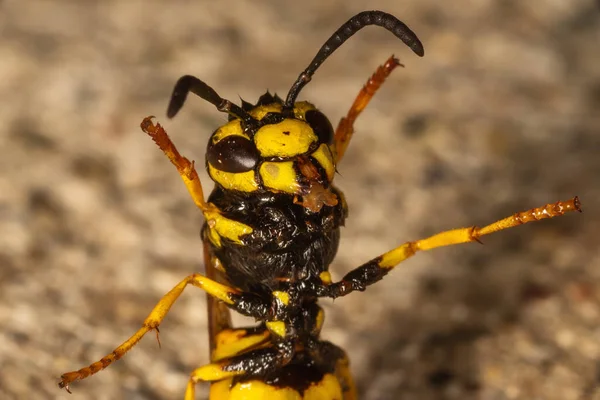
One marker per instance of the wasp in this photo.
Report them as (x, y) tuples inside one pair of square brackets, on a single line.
[(271, 231)]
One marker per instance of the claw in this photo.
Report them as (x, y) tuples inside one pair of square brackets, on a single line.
[(65, 386), (158, 337)]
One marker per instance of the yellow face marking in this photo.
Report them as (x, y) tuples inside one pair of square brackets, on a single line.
[(288, 138), (324, 156), (327, 389), (221, 227), (280, 176), (232, 128), (276, 327), (242, 181), (283, 297)]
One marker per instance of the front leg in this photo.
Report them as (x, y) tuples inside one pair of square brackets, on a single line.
[(185, 167), (345, 129), (374, 270)]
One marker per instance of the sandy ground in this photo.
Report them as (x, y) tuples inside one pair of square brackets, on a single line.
[(501, 115)]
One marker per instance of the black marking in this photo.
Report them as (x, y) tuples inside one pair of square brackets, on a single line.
[(320, 125)]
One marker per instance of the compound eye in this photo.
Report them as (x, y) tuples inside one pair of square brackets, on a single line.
[(232, 154), (320, 125)]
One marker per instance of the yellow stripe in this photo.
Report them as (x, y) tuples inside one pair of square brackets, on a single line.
[(225, 228), (325, 158), (260, 111), (213, 288), (283, 297), (319, 321), (277, 328), (328, 388), (234, 341), (242, 181), (232, 128), (253, 390)]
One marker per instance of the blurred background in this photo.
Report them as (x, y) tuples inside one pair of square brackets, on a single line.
[(501, 115)]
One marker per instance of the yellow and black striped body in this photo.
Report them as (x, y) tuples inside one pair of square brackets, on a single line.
[(279, 219), (302, 378), (272, 229), (295, 381), (276, 226)]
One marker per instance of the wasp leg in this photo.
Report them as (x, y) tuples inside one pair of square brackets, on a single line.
[(374, 270), (253, 363), (246, 304), (185, 167), (345, 128)]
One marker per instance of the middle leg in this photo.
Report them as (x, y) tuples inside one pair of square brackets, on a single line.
[(374, 270)]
